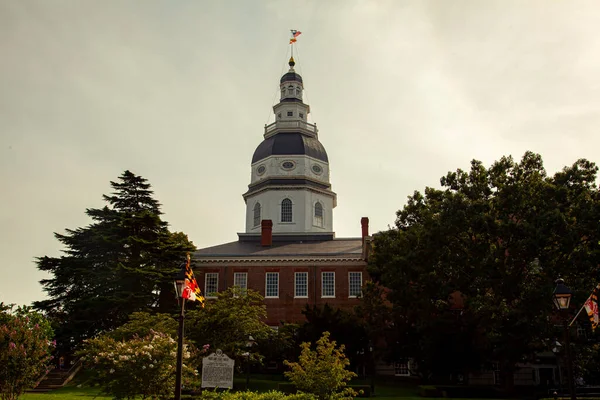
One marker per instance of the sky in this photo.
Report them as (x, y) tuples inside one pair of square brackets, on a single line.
[(179, 91)]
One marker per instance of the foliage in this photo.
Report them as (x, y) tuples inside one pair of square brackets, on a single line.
[(478, 259), (121, 263), (272, 395), (141, 366), (25, 347), (227, 321), (143, 323), (280, 344), (345, 327), (322, 371)]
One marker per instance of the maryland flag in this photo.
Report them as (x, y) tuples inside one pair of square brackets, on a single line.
[(295, 34), (591, 306), (191, 290)]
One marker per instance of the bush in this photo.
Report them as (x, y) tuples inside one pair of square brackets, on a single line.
[(273, 395), (24, 349), (142, 366), (362, 390), (322, 372)]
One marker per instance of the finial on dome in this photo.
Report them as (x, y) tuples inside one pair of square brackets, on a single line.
[(292, 62)]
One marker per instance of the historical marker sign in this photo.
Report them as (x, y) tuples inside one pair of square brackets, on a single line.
[(217, 371)]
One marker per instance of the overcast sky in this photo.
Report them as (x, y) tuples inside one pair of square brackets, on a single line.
[(179, 92)]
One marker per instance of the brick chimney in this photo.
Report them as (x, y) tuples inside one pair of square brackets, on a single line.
[(266, 232), (364, 223)]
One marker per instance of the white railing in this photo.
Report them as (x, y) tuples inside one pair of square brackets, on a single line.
[(290, 125)]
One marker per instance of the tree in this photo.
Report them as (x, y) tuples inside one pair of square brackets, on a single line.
[(322, 371), (344, 326), (25, 348), (491, 243), (121, 263), (226, 322), (143, 323)]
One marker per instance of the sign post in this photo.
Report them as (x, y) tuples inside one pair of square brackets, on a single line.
[(217, 371)]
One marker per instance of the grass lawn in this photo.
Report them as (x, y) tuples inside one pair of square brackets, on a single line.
[(258, 383)]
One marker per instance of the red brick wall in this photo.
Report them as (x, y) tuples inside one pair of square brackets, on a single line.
[(287, 308)]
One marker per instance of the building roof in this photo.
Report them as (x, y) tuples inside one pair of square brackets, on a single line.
[(293, 143), (336, 248), (291, 77)]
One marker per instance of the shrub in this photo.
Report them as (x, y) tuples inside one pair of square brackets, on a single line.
[(24, 349), (273, 395), (322, 372), (142, 366)]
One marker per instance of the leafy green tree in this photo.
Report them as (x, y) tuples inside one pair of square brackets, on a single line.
[(322, 371), (499, 237), (143, 323), (227, 322), (123, 262), (25, 349), (344, 326)]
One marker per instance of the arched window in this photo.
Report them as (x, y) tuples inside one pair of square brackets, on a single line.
[(257, 214), (290, 89), (283, 93), (286, 210), (297, 91), (318, 220)]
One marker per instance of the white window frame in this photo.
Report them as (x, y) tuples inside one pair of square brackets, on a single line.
[(350, 295), (402, 365), (267, 274), (243, 288), (256, 214), (296, 274), (318, 220), (211, 295), (323, 295), (289, 201)]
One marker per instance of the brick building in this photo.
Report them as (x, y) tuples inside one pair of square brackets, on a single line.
[(289, 252)]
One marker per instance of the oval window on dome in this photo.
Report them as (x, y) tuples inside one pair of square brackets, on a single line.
[(261, 170), (317, 169), (287, 165)]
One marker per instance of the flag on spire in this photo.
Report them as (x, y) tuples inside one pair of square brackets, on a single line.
[(295, 34), (191, 290), (591, 306)]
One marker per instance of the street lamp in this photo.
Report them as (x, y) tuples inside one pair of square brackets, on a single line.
[(372, 362), (249, 345), (562, 299), (179, 283)]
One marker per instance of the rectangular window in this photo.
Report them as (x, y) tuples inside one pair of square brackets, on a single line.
[(354, 284), (240, 279), (290, 113), (401, 368), (328, 284), (272, 284), (211, 284), (301, 284), (301, 115)]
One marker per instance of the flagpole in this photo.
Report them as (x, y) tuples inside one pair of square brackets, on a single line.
[(179, 366), (580, 310)]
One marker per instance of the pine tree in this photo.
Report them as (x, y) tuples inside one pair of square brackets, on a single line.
[(123, 262)]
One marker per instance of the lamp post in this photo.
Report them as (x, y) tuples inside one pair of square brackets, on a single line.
[(249, 345), (372, 362), (556, 349), (562, 299), (179, 285)]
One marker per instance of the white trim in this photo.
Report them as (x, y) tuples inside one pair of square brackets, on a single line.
[(206, 292), (323, 286), (402, 363), (266, 285), (296, 282), (350, 296)]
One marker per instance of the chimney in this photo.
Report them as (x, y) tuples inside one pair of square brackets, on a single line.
[(364, 223), (266, 232)]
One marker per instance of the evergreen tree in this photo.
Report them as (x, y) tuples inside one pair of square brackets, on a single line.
[(123, 262)]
